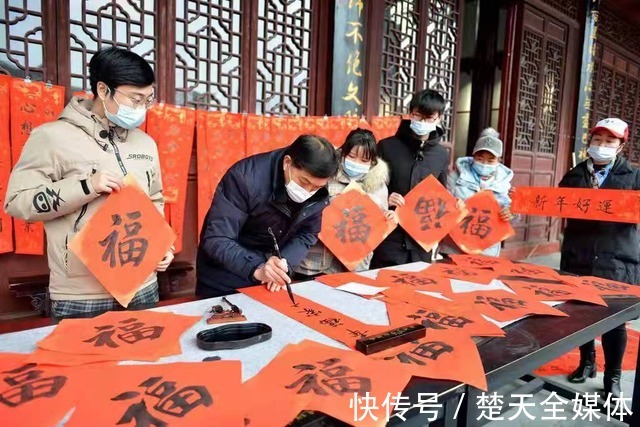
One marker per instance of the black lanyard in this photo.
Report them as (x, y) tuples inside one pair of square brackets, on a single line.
[(117, 151)]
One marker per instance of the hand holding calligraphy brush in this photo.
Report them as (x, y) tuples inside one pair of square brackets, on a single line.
[(276, 249)]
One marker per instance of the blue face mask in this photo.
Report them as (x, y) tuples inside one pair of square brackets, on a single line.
[(484, 170), (355, 169), (126, 117)]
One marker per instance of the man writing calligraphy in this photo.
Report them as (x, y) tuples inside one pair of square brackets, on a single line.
[(68, 167), (610, 250), (412, 154), (280, 194)]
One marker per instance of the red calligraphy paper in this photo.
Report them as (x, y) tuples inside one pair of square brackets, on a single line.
[(353, 226), (6, 225), (442, 354), (482, 227), (580, 203), (479, 261), (505, 306), (339, 279), (554, 292), (258, 134), (35, 395), (385, 126), (32, 104), (440, 314), (415, 281), (138, 335), (316, 377), (474, 275), (603, 287), (124, 241), (318, 317), (430, 213), (176, 394), (47, 357), (527, 270), (221, 143)]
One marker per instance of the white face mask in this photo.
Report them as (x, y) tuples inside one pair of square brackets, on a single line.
[(421, 128), (602, 154), (126, 117), (296, 192), (355, 169)]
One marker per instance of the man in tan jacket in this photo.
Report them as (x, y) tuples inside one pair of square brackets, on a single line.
[(68, 167)]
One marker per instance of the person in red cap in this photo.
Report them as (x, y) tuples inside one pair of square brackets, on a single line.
[(610, 250)]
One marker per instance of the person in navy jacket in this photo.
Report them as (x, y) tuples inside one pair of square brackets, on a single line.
[(283, 191)]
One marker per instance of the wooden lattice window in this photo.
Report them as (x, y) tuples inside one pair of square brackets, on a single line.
[(551, 90), (283, 56), (568, 7), (98, 24), (441, 53), (616, 93), (539, 89), (419, 51), (399, 56), (208, 54), (21, 39), (530, 59)]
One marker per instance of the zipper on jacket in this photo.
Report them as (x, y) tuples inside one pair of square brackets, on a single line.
[(148, 180), (83, 211)]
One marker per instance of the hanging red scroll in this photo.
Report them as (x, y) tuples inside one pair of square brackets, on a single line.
[(579, 203), (385, 126), (173, 128), (32, 104), (6, 225), (221, 141)]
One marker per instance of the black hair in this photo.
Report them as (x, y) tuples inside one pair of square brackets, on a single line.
[(315, 155), (117, 67), (427, 102), (361, 138)]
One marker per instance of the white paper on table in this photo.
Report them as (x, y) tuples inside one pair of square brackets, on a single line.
[(461, 286), (361, 289), (434, 294), (503, 325)]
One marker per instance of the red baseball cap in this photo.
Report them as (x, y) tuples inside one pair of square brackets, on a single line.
[(616, 127)]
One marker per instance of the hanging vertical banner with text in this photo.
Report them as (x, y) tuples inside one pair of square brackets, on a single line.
[(348, 58)]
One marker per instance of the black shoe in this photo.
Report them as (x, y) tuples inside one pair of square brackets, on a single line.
[(587, 368), (612, 382)]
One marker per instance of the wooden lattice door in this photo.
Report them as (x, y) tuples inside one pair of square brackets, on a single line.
[(535, 137)]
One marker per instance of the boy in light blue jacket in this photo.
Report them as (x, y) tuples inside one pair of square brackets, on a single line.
[(482, 171)]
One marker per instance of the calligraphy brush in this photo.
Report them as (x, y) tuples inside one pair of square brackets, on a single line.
[(277, 250)]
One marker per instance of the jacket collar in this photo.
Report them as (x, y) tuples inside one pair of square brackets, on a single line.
[(78, 113)]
